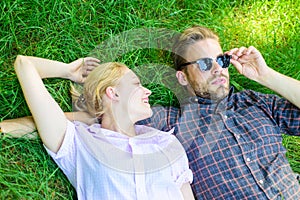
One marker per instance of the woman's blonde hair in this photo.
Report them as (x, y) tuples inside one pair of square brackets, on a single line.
[(90, 99)]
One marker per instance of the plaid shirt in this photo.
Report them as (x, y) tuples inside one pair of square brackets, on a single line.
[(235, 146)]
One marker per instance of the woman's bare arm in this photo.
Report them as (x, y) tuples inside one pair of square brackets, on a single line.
[(25, 126), (187, 192), (49, 118)]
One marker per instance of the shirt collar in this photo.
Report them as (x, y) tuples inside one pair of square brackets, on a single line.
[(200, 100), (141, 130)]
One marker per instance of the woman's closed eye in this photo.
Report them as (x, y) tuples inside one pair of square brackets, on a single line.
[(138, 83)]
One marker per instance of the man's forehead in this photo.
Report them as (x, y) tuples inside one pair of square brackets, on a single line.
[(203, 49)]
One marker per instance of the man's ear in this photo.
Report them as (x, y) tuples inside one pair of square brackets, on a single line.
[(181, 77), (111, 93)]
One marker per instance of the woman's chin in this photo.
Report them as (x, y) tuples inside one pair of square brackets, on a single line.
[(144, 115)]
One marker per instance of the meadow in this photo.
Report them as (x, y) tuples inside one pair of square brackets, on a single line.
[(70, 29)]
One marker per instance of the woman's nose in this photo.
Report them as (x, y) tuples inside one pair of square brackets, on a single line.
[(147, 91)]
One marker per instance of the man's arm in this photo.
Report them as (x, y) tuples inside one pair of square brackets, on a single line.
[(25, 126), (250, 63), (287, 87)]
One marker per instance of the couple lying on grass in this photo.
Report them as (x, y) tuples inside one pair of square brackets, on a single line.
[(224, 145)]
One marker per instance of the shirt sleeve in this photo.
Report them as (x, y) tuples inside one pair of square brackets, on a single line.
[(185, 177), (65, 157), (286, 114), (163, 118), (181, 171)]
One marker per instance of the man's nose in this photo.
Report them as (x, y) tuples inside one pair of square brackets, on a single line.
[(216, 69)]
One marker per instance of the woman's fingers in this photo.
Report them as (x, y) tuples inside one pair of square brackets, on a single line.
[(90, 61), (89, 64)]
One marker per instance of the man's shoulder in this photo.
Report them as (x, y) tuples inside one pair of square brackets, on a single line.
[(251, 94), (249, 91), (248, 96)]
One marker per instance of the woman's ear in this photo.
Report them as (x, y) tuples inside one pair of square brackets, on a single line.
[(181, 77), (111, 93)]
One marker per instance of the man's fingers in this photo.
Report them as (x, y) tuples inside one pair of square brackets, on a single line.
[(237, 65), (241, 51), (248, 50), (238, 53)]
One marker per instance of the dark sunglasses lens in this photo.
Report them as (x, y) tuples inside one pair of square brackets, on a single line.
[(224, 61), (205, 64)]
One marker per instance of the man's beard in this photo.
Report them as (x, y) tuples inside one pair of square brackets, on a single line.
[(216, 95)]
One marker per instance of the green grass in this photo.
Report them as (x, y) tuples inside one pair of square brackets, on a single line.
[(66, 30)]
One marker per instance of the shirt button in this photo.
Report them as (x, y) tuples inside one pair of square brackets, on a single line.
[(225, 117), (238, 137), (248, 159), (261, 182)]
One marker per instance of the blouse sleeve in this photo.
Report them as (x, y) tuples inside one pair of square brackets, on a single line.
[(65, 157), (181, 171)]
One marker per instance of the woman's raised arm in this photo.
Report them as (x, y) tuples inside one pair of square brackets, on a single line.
[(48, 116)]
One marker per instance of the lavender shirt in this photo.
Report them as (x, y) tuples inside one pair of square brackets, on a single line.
[(103, 164)]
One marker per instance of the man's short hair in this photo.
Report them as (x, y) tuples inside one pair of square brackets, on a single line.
[(188, 38)]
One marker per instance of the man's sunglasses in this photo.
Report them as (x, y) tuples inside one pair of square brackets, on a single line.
[(206, 64)]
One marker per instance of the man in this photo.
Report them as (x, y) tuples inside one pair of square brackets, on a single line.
[(233, 140)]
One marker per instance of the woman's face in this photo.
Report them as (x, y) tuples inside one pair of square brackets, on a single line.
[(133, 97)]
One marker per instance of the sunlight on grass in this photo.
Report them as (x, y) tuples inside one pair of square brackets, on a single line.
[(273, 27)]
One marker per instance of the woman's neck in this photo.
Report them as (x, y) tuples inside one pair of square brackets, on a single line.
[(122, 126)]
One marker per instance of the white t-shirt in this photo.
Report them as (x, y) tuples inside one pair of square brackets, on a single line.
[(103, 164)]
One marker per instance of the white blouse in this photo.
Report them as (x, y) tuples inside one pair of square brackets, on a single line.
[(103, 164)]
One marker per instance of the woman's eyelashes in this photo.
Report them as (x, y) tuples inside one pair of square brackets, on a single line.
[(138, 83)]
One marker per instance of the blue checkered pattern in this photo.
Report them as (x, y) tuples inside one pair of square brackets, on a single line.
[(235, 146)]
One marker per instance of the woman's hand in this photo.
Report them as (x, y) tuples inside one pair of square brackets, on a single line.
[(81, 68)]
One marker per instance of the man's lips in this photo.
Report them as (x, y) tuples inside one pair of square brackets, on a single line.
[(219, 81)]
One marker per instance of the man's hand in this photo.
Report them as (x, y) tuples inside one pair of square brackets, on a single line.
[(249, 62), (81, 68)]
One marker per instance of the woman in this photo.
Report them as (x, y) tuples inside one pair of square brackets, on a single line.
[(116, 160)]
